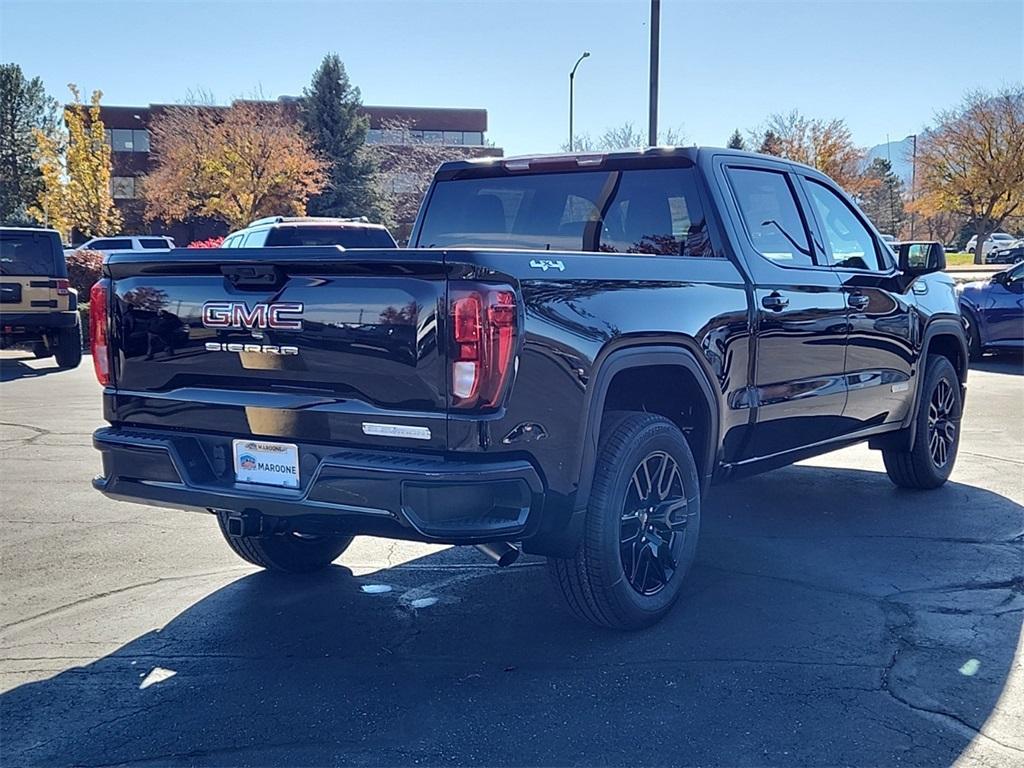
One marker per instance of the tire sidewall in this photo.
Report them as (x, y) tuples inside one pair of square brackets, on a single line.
[(939, 368), (608, 499)]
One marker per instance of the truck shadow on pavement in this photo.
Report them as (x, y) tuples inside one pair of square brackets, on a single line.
[(830, 619)]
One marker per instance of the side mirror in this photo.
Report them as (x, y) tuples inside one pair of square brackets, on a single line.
[(921, 258)]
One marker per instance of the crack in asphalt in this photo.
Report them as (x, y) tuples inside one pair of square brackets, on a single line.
[(991, 458), (109, 593)]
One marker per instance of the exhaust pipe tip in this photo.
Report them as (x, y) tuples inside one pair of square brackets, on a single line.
[(502, 553)]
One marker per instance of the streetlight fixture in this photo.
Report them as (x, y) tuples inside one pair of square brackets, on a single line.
[(572, 77)]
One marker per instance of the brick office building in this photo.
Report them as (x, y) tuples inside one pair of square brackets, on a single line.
[(127, 131)]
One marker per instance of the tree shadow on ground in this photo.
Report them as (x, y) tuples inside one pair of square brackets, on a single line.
[(830, 619)]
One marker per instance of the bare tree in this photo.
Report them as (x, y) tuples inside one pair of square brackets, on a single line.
[(406, 167), (625, 136)]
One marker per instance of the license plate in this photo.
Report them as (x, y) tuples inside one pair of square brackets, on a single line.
[(266, 463)]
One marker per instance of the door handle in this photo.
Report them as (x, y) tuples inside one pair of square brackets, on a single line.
[(858, 301), (775, 301)]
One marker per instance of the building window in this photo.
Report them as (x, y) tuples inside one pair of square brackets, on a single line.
[(453, 137), (122, 187), (374, 136), (433, 137), (128, 140), (473, 138), (121, 140)]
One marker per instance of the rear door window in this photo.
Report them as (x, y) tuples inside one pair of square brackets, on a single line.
[(255, 239), (25, 253), (636, 211), (768, 207), (154, 242)]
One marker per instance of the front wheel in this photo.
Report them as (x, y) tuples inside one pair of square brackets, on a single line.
[(641, 526), (286, 552), (930, 460)]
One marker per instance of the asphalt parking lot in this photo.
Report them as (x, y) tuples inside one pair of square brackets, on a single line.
[(831, 619)]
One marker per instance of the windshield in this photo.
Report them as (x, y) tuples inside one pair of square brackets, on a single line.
[(27, 253), (654, 211)]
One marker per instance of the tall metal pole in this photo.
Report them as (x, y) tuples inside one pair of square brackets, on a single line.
[(572, 79), (652, 127), (913, 186)]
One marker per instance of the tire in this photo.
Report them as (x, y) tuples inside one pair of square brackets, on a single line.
[(974, 348), (40, 350), (286, 552), (69, 347), (930, 460), (630, 565)]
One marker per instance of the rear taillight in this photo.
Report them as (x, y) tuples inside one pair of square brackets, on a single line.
[(62, 287), (483, 320), (98, 316)]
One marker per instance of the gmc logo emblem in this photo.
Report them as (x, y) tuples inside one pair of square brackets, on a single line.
[(285, 316)]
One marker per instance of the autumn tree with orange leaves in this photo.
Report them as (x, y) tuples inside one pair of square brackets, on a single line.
[(822, 144), (972, 162), (235, 164)]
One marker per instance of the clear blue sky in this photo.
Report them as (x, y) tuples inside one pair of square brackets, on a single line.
[(885, 67)]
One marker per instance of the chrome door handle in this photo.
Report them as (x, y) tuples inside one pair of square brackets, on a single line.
[(776, 302), (858, 301)]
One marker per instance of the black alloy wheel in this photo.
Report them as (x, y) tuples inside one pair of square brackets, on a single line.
[(653, 523)]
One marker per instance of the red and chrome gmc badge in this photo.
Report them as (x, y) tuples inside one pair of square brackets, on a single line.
[(283, 316)]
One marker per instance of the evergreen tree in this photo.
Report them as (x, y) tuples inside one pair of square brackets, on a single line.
[(770, 144), (882, 197), (736, 141), (329, 111), (24, 107)]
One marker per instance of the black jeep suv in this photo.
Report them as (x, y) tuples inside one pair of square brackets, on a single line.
[(572, 351)]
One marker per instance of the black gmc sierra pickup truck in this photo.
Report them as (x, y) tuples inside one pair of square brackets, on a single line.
[(571, 351)]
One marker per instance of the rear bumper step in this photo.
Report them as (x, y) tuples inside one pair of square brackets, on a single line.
[(434, 498)]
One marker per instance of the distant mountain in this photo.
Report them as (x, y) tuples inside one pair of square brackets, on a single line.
[(899, 153)]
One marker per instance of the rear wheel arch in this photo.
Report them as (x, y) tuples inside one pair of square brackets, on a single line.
[(672, 376)]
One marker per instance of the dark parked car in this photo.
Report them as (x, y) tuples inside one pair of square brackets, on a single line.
[(994, 312), (1007, 255), (572, 351)]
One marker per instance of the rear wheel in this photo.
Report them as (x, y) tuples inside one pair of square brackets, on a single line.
[(69, 347), (286, 552), (930, 460), (641, 528)]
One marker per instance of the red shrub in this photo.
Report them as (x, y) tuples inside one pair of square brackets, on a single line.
[(83, 271), (213, 242)]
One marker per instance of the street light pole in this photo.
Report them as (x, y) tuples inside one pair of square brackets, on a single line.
[(572, 78), (652, 126)]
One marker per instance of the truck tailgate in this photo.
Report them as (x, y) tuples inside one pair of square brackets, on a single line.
[(287, 342)]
